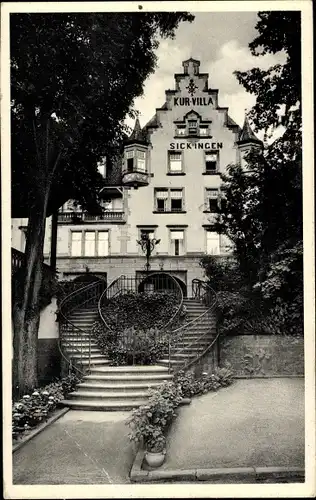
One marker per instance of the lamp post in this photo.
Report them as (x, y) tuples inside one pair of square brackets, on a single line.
[(147, 245)]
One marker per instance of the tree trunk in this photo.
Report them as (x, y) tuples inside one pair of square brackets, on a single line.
[(26, 314)]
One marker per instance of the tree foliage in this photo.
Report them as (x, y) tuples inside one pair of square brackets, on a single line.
[(263, 210), (74, 78)]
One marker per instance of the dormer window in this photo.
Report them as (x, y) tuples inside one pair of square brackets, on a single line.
[(193, 127), (181, 130), (203, 130)]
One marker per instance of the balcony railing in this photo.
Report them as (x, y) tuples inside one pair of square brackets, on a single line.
[(75, 217)]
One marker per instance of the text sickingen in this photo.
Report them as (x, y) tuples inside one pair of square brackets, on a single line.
[(196, 145)]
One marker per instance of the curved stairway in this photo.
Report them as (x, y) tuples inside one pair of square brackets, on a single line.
[(195, 337), (110, 388)]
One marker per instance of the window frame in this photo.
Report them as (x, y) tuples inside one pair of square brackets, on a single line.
[(208, 231), (83, 240), (168, 199), (173, 248), (208, 198), (132, 154), (216, 170), (175, 172)]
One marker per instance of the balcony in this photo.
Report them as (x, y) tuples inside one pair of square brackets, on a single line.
[(110, 216)]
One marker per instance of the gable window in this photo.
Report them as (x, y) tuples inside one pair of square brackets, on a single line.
[(177, 241), (212, 243), (181, 130), (211, 200), (203, 130), (211, 162), (175, 162), (193, 127)]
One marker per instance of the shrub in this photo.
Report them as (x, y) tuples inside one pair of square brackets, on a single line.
[(149, 421), (191, 386), (32, 409), (140, 310)]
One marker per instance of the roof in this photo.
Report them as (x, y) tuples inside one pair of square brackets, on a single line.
[(191, 60), (138, 135), (246, 134)]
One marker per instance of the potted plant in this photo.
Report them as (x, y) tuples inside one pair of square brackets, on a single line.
[(155, 448)]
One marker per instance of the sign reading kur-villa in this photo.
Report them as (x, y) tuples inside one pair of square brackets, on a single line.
[(192, 101)]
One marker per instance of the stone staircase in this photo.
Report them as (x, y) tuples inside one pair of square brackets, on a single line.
[(116, 388), (77, 347), (121, 388), (191, 344), (106, 388)]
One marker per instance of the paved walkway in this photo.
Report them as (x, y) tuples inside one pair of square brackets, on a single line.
[(252, 423), (82, 447)]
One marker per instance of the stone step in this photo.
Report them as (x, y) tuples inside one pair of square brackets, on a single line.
[(85, 355), (94, 405), (117, 387), (93, 362), (93, 350), (130, 370), (109, 395), (76, 342), (126, 379)]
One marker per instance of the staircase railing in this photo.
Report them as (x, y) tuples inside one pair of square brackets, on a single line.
[(84, 297), (124, 284), (204, 293)]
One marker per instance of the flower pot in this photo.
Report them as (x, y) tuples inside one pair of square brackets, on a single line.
[(155, 459)]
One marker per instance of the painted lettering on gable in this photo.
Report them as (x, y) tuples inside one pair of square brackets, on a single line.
[(196, 145), (192, 101)]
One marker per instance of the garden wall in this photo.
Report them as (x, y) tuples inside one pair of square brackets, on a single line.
[(48, 352), (263, 355)]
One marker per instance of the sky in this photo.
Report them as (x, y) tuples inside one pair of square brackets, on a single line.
[(220, 41)]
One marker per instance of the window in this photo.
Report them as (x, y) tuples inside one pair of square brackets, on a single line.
[(76, 238), (169, 200), (177, 241), (107, 205), (161, 200), (181, 130), (211, 162), (103, 243), (175, 162), (130, 161), (176, 200), (147, 232), (192, 127), (141, 161), (203, 129), (136, 160), (212, 243), (212, 200), (89, 243)]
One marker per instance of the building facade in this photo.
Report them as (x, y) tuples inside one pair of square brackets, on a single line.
[(167, 185)]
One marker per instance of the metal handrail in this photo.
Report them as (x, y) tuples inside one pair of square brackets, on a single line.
[(195, 321), (101, 299), (74, 328)]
